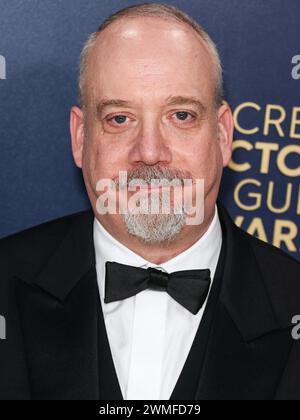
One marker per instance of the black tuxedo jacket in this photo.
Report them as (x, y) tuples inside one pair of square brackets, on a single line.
[(56, 345)]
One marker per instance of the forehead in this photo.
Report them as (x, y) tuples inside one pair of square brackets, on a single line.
[(149, 54)]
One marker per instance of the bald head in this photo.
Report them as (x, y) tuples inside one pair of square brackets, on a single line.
[(162, 26)]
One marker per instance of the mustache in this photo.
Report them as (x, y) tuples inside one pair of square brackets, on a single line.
[(149, 173)]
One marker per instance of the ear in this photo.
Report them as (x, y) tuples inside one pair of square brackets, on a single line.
[(77, 134), (225, 132)]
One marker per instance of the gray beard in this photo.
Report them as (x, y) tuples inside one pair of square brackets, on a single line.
[(155, 228)]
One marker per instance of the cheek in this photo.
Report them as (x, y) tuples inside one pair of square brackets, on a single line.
[(207, 164), (92, 164), (103, 160), (91, 155), (205, 158)]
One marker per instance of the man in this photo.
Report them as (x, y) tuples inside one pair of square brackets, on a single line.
[(112, 305)]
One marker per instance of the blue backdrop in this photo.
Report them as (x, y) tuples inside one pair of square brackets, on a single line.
[(40, 42)]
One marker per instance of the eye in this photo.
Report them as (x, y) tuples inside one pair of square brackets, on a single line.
[(183, 118), (118, 123), (119, 119), (182, 115)]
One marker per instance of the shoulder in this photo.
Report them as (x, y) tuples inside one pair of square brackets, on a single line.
[(273, 262), (271, 259), (280, 274), (34, 245), (277, 275), (268, 253)]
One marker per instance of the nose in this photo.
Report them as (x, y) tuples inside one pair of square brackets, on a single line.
[(150, 147)]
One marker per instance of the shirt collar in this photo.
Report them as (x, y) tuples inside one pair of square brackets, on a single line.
[(202, 254)]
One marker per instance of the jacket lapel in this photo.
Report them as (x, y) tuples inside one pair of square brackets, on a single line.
[(60, 340), (246, 350), (62, 322)]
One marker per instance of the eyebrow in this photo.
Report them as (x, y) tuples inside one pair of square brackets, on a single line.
[(187, 100), (111, 102), (171, 101)]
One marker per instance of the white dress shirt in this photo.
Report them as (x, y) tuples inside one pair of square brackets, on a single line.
[(150, 334)]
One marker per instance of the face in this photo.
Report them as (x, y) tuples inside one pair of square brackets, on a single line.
[(149, 96)]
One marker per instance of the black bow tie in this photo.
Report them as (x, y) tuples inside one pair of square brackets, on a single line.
[(189, 288)]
